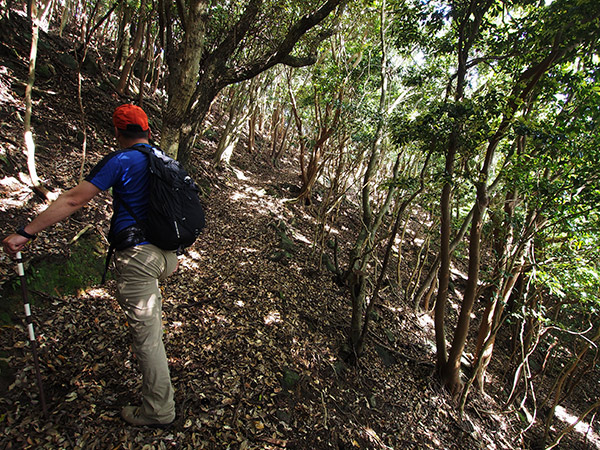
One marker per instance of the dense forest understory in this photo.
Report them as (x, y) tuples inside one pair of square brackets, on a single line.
[(258, 318)]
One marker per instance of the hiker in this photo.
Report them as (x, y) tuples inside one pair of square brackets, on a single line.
[(139, 264)]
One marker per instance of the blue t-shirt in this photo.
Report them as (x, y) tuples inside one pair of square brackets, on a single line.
[(126, 171)]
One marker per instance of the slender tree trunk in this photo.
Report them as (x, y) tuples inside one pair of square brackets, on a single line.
[(446, 215), (252, 129), (362, 251), (157, 72), (135, 51), (278, 152), (146, 63), (451, 370), (325, 131), (433, 271), (360, 344), (276, 126), (65, 16), (91, 29), (125, 13), (35, 18), (238, 114), (468, 30), (500, 295)]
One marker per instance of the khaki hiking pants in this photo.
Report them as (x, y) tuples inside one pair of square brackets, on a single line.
[(139, 269)]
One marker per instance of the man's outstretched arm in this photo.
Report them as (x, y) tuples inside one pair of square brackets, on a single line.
[(65, 205)]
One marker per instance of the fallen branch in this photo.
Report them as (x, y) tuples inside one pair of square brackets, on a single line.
[(81, 233)]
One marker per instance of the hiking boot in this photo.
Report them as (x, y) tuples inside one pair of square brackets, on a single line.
[(134, 416)]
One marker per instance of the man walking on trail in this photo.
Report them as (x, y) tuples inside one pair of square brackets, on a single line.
[(139, 264)]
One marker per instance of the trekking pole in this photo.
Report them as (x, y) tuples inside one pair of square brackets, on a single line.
[(32, 341)]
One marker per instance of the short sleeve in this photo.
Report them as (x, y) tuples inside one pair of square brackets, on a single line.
[(106, 173)]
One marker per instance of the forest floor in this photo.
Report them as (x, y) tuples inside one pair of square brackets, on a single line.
[(253, 337)]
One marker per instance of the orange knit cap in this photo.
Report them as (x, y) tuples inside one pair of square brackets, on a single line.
[(130, 118)]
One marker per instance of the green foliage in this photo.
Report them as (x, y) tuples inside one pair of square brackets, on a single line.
[(82, 269), (56, 277), (570, 269)]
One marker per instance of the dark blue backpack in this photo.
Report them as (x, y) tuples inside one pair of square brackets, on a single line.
[(175, 215)]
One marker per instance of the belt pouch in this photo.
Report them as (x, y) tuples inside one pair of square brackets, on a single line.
[(128, 237)]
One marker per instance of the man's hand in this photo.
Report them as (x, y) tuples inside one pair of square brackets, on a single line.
[(14, 243)]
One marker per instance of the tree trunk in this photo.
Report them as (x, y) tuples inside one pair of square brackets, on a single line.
[(325, 126), (135, 51), (280, 149), (467, 33), (276, 126), (504, 288), (157, 72), (431, 275), (360, 345), (125, 13), (146, 63), (184, 66), (526, 83), (446, 220), (91, 28), (65, 16), (362, 253), (238, 114), (451, 370), (35, 18), (252, 129), (444, 271)]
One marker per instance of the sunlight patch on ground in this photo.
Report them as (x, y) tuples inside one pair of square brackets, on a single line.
[(18, 192), (5, 92), (301, 238), (239, 174), (238, 196), (425, 322), (194, 254), (98, 292), (455, 306), (393, 308), (188, 263), (455, 271), (331, 230), (221, 320), (373, 437), (272, 318), (481, 433), (256, 198), (582, 428)]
